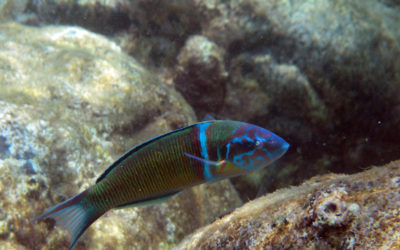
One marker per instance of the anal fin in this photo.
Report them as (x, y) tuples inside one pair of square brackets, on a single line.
[(149, 201)]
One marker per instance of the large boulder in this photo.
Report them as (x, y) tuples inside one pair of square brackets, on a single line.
[(13, 10), (322, 74), (332, 211), (70, 103)]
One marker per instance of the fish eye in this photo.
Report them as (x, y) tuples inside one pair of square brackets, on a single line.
[(258, 144)]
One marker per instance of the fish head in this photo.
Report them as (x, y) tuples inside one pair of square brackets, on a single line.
[(252, 147)]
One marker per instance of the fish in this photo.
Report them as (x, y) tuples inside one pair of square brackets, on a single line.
[(161, 167)]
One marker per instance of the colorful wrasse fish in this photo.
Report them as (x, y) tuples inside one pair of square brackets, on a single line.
[(161, 167)]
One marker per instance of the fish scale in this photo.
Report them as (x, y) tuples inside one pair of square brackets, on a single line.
[(160, 167)]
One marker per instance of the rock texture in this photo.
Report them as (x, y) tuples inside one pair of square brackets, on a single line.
[(13, 10), (322, 74), (316, 73), (200, 70), (332, 211), (70, 103), (78, 72)]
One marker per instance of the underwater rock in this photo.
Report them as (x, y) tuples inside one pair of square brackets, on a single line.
[(322, 74), (318, 74), (262, 85), (13, 10), (391, 3), (74, 71), (302, 69), (327, 47), (164, 225), (70, 103), (339, 59), (105, 17), (152, 31), (200, 74), (326, 212)]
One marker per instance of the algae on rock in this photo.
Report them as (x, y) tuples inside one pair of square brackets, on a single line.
[(301, 68), (200, 70), (326, 212), (70, 103)]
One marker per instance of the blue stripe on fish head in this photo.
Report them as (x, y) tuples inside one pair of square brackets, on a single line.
[(252, 147), (204, 150)]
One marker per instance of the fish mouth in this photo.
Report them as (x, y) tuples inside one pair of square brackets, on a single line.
[(284, 148)]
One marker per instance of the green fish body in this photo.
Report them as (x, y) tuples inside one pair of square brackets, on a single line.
[(161, 167)]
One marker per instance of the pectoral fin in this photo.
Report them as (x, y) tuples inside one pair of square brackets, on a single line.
[(212, 163)]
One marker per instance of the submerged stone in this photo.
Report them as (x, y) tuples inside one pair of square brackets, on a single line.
[(3, 147), (302, 69), (326, 212), (201, 70), (70, 103)]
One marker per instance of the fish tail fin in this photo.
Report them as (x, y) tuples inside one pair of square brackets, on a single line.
[(73, 216)]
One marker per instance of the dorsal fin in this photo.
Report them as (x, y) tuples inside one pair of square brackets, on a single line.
[(136, 148), (208, 117)]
